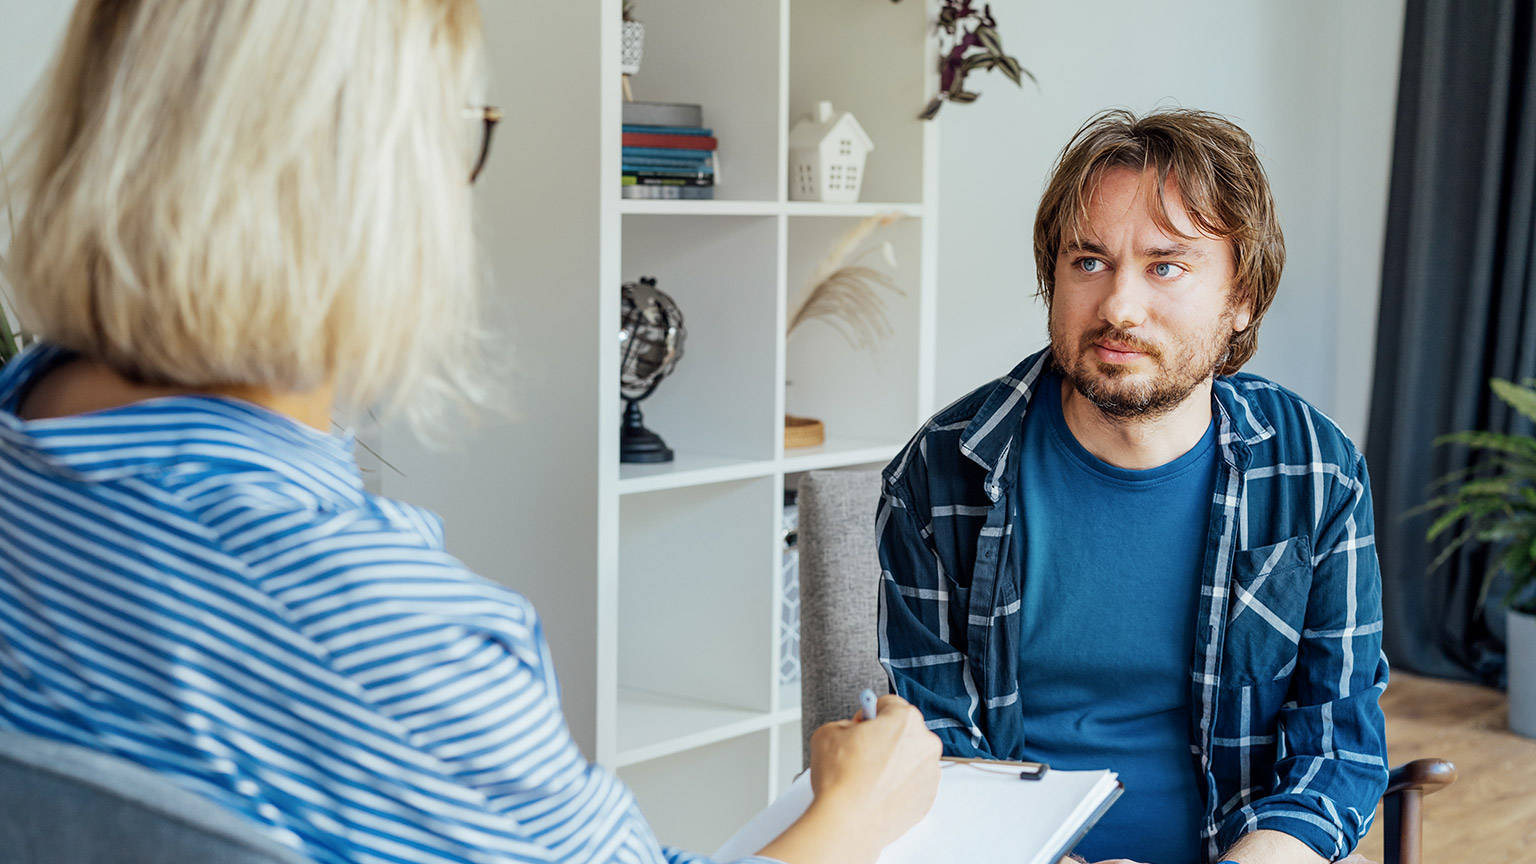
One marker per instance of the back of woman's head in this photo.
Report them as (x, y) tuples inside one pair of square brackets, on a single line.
[(270, 193)]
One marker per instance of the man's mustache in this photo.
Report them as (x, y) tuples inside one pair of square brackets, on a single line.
[(1111, 333)]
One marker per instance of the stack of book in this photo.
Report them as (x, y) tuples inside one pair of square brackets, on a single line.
[(668, 153)]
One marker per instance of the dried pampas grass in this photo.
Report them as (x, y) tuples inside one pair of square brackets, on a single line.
[(843, 293)]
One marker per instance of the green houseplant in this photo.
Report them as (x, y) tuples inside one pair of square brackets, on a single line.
[(1494, 503)]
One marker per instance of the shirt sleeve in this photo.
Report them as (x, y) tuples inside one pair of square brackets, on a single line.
[(918, 646), (1333, 768), (462, 664)]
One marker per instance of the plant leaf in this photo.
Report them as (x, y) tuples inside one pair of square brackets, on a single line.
[(932, 109), (963, 97), (979, 61), (989, 39), (1522, 399), (957, 83), (1495, 487), (1450, 549), (1515, 445), (1521, 571), (1012, 69), (1446, 521)]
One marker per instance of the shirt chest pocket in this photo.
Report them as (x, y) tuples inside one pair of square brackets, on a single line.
[(1266, 611)]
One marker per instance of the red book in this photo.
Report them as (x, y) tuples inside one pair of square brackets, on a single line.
[(677, 142)]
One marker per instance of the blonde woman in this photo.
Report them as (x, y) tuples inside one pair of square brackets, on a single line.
[(237, 217)]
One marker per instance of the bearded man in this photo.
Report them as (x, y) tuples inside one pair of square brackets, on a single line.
[(1127, 554)]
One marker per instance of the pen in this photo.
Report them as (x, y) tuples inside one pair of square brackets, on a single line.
[(867, 701)]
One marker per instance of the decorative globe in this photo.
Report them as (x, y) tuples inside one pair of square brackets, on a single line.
[(651, 337)]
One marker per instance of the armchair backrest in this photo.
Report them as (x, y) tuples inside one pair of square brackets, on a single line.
[(64, 804), (839, 581)]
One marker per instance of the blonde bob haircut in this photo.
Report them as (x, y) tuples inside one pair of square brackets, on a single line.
[(1219, 177), (271, 193)]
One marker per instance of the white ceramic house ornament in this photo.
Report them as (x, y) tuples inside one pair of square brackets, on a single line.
[(826, 156)]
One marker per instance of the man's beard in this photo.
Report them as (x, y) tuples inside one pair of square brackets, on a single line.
[(1178, 370)]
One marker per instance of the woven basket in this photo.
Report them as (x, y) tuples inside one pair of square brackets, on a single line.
[(803, 432)]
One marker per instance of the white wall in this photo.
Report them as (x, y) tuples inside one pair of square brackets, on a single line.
[(1313, 81), (30, 31)]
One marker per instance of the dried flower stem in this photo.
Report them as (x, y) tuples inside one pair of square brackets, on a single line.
[(842, 293)]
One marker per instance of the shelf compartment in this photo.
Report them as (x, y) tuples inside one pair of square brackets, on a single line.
[(868, 395), (686, 38), (723, 273), (881, 77), (697, 799), (697, 608)]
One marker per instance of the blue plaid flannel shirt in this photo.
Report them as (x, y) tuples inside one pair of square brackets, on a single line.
[(1287, 668)]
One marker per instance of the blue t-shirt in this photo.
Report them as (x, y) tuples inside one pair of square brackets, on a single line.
[(1112, 582)]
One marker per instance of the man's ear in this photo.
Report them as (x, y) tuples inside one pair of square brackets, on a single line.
[(1242, 315)]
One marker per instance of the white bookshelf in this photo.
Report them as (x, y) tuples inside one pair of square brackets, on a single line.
[(659, 584)]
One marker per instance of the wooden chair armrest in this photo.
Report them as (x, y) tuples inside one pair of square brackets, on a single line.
[(1425, 775)]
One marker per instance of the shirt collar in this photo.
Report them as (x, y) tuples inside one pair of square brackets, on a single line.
[(992, 434), (169, 433)]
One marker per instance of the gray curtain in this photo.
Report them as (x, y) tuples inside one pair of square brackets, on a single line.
[(1457, 307)]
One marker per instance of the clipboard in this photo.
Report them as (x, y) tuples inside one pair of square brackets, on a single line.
[(1093, 820), (981, 815)]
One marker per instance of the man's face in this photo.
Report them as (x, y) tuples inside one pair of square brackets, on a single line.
[(1139, 318)]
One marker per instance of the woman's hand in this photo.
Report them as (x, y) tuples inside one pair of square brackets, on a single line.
[(873, 780), (886, 768)]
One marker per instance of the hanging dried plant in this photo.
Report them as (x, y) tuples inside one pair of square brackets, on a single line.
[(965, 29), (845, 294)]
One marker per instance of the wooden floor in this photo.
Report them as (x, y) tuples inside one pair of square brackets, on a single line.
[(1489, 813)]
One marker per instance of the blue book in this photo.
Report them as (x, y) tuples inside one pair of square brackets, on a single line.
[(666, 160), (652, 165), (667, 130)]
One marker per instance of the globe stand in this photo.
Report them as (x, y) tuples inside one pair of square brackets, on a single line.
[(638, 444)]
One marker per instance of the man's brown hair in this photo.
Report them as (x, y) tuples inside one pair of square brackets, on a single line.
[(1217, 173)]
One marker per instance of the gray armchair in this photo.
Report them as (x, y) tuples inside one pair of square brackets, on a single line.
[(839, 572), (62, 804), (839, 577)]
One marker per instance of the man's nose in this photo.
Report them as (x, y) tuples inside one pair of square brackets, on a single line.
[(1125, 306)]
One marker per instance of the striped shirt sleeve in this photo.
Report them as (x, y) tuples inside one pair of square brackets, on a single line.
[(462, 664)]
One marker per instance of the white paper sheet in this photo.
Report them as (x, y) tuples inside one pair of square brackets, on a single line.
[(981, 815)]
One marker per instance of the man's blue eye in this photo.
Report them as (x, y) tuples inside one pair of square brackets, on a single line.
[(1090, 265), (1165, 270)]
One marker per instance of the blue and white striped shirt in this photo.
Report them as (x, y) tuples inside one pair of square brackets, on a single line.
[(203, 587), (1286, 727)]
